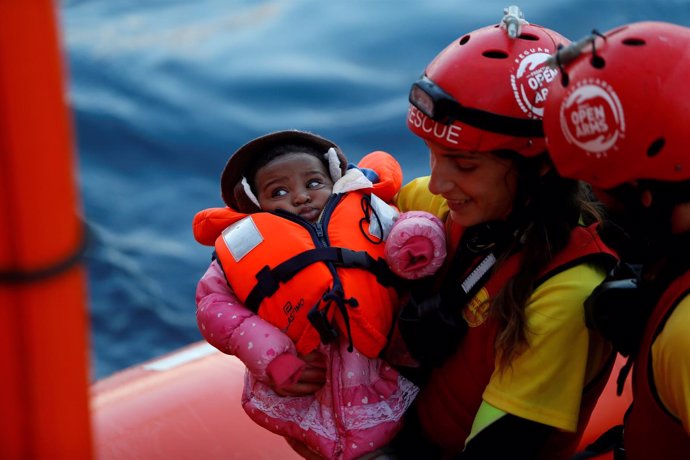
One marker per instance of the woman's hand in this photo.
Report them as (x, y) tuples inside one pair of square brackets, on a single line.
[(313, 376)]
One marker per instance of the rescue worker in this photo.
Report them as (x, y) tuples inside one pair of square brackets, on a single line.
[(618, 119), (525, 372)]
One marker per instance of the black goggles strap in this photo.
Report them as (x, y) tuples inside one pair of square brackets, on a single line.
[(448, 110)]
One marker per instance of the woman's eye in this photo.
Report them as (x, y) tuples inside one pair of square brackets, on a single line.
[(464, 166)]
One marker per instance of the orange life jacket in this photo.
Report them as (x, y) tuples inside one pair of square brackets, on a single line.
[(314, 281), (370, 321)]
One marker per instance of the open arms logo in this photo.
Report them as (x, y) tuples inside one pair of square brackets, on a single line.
[(592, 117), (531, 79)]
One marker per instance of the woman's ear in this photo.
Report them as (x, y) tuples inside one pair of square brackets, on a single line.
[(545, 168), (680, 219), (646, 198)]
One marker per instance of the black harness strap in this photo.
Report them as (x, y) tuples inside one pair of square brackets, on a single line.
[(18, 276), (269, 279)]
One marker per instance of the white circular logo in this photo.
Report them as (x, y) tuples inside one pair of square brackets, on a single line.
[(592, 117), (531, 79)]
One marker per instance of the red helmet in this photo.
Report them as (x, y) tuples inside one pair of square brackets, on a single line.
[(486, 91), (622, 112)]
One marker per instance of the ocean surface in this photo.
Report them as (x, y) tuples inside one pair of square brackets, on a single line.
[(163, 91)]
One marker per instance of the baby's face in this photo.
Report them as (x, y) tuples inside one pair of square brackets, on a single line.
[(296, 182)]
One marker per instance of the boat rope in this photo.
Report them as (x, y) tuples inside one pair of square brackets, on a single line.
[(21, 276)]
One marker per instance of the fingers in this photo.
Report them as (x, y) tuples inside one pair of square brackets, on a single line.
[(314, 359), (314, 375), (312, 378), (300, 389)]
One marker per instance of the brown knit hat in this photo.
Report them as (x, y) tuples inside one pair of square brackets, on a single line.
[(231, 188)]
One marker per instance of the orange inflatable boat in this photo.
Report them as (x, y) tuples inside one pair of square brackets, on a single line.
[(186, 405)]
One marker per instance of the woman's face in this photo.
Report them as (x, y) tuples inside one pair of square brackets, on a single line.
[(479, 186)]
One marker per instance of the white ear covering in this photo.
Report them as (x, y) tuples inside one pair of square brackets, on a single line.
[(334, 168), (249, 193)]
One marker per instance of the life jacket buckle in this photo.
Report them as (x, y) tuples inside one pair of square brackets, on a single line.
[(355, 259)]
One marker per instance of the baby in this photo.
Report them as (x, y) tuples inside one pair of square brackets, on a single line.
[(302, 245)]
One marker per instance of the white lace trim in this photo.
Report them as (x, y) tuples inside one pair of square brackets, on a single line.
[(315, 412)]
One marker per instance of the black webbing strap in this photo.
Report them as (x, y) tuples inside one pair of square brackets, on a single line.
[(501, 124), (268, 280), (19, 276)]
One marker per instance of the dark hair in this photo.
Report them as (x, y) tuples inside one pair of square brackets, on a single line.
[(278, 150), (547, 208)]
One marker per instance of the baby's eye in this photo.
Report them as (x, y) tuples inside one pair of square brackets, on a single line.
[(314, 183), (278, 192)]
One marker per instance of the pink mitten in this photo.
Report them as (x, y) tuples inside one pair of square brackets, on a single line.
[(285, 370), (416, 245)]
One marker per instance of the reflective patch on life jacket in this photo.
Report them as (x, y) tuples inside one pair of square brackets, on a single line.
[(387, 215), (242, 237)]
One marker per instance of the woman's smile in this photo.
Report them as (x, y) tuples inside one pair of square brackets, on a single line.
[(478, 186)]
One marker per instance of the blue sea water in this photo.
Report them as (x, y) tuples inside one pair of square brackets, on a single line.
[(163, 91)]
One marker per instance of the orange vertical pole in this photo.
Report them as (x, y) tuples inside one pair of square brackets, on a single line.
[(44, 381)]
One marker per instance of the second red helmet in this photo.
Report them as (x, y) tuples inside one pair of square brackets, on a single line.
[(622, 112)]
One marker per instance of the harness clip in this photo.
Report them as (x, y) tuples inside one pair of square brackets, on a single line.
[(323, 326), (355, 259)]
